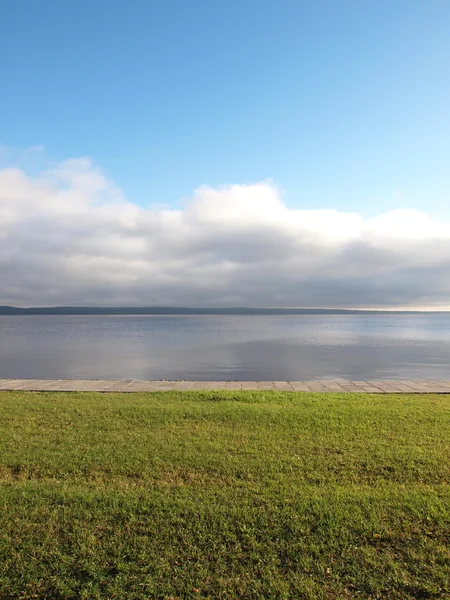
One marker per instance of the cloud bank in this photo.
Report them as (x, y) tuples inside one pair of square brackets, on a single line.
[(69, 237)]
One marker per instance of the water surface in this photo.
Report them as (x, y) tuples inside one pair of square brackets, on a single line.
[(210, 347)]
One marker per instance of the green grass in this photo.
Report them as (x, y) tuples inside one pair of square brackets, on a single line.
[(224, 495)]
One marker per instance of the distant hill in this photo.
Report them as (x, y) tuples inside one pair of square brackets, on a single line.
[(181, 310)]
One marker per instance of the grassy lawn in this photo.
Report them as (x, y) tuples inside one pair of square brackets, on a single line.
[(224, 495)]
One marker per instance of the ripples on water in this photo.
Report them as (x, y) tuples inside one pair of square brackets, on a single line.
[(273, 348)]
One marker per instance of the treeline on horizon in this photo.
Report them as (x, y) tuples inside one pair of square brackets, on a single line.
[(171, 310)]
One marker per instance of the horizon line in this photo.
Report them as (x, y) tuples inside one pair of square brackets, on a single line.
[(220, 308)]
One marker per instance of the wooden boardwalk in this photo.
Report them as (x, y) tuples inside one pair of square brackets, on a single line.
[(116, 385)]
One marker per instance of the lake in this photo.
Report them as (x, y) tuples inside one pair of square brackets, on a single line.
[(204, 347)]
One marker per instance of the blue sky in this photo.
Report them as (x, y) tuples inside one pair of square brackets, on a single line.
[(343, 104)]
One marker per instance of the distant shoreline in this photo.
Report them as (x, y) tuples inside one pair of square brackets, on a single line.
[(171, 310)]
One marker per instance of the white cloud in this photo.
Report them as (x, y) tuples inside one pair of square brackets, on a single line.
[(69, 236)]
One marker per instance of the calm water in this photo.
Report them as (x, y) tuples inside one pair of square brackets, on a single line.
[(226, 347)]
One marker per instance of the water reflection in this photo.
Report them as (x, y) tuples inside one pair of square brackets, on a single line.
[(226, 347)]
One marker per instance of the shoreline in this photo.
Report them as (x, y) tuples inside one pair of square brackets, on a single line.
[(130, 385)]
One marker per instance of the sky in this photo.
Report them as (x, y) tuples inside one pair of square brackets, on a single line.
[(251, 152)]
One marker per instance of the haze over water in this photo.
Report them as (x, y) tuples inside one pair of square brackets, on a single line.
[(210, 347)]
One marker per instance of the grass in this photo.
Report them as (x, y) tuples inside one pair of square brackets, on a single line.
[(224, 495)]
